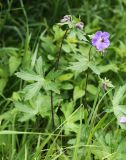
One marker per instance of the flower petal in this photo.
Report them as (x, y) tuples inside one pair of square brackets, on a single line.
[(98, 34), (105, 35), (123, 120), (94, 41), (100, 46), (106, 43)]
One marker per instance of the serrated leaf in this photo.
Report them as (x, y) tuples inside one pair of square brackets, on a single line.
[(28, 76), (32, 89), (119, 110), (108, 67), (118, 95), (53, 86), (59, 33), (80, 65), (24, 108), (94, 68)]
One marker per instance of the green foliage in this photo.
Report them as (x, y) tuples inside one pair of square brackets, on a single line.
[(87, 117)]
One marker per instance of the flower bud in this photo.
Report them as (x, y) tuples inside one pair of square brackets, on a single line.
[(66, 18), (106, 83), (79, 25)]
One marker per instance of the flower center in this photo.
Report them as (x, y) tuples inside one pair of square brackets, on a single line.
[(102, 40)]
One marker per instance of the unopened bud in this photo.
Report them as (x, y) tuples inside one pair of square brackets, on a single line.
[(79, 25), (66, 18)]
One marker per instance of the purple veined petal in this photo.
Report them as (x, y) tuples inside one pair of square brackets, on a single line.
[(105, 35), (98, 34), (123, 120), (101, 40), (106, 43), (94, 41), (100, 46)]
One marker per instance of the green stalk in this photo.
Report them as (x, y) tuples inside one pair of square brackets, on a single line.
[(56, 65), (87, 75)]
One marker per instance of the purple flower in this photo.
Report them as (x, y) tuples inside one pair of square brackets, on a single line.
[(123, 120), (79, 25), (66, 18), (101, 40)]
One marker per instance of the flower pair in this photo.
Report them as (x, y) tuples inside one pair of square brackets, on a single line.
[(68, 18), (100, 39)]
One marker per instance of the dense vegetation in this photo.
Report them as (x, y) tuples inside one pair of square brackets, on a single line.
[(60, 98)]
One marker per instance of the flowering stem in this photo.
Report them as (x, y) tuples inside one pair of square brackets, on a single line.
[(59, 53), (85, 97), (52, 111), (56, 65)]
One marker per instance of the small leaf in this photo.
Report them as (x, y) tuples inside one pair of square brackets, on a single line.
[(3, 82), (34, 57), (39, 66), (66, 86), (65, 77), (78, 93), (14, 63)]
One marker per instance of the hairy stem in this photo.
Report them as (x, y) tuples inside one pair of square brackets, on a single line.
[(55, 66), (59, 53), (52, 111), (87, 75)]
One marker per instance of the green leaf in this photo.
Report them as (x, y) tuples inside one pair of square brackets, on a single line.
[(34, 57), (72, 118), (29, 76), (119, 109), (58, 32), (81, 65), (32, 89), (67, 109), (66, 48), (78, 93), (65, 77), (14, 63), (8, 51), (24, 108), (66, 86), (94, 68), (53, 86), (3, 82), (92, 89), (39, 66), (109, 67), (118, 95)]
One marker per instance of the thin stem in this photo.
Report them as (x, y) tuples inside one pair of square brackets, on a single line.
[(55, 66), (52, 111), (59, 53), (87, 75)]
